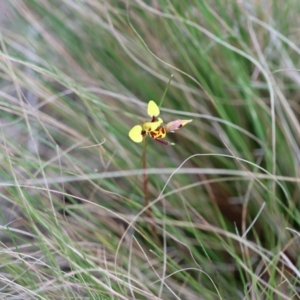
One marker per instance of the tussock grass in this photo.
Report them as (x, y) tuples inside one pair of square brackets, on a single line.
[(76, 76)]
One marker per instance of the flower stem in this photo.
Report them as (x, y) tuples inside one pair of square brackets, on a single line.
[(145, 185)]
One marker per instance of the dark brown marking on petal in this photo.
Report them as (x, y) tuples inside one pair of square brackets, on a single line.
[(163, 130), (143, 132), (180, 126)]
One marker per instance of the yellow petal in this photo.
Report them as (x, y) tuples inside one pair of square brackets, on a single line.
[(177, 124), (136, 133), (153, 109), (150, 126)]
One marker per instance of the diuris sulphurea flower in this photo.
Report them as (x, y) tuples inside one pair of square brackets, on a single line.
[(155, 128)]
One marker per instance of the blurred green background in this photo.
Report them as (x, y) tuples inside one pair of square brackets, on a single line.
[(76, 76)]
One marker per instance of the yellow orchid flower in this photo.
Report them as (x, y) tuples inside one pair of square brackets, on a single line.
[(138, 132), (155, 128)]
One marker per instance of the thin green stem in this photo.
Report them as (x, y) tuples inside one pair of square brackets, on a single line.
[(165, 92)]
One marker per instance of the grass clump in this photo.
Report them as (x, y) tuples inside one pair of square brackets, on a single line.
[(224, 201)]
